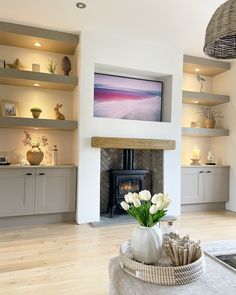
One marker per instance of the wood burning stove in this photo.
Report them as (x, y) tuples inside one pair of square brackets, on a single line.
[(125, 180)]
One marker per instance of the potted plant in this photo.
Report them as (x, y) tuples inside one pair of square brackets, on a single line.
[(209, 116), (35, 112), (34, 155), (148, 211)]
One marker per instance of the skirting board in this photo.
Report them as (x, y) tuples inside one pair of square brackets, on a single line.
[(202, 207), (36, 219)]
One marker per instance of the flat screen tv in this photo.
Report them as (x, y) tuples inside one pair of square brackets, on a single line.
[(127, 98)]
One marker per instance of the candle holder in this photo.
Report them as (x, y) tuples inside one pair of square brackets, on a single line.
[(195, 162), (196, 156)]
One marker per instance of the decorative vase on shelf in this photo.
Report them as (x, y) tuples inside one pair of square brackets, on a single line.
[(36, 114), (66, 65), (210, 122), (147, 244), (35, 156)]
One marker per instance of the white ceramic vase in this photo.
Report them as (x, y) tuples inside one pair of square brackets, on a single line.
[(147, 244)]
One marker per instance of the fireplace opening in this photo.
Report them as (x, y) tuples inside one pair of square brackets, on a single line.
[(113, 159), (123, 181)]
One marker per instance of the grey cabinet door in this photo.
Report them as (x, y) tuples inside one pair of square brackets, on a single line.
[(192, 185), (217, 185), (55, 190), (17, 192)]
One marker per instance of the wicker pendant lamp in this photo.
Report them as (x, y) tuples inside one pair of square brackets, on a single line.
[(220, 40)]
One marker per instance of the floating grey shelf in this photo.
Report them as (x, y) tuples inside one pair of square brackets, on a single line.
[(31, 123), (206, 66), (192, 97), (187, 131), (28, 78), (25, 36)]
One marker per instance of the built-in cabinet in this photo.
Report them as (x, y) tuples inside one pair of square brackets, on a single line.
[(204, 185), (17, 193), (31, 191)]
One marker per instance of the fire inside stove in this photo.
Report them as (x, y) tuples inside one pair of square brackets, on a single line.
[(129, 185)]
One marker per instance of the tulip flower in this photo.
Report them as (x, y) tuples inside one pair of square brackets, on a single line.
[(136, 203), (166, 200), (145, 195), (160, 205), (125, 206), (156, 198), (153, 209), (128, 198)]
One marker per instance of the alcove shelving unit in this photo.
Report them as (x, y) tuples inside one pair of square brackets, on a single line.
[(26, 37), (209, 68)]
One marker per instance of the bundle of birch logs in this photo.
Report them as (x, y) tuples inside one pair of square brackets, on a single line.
[(182, 251)]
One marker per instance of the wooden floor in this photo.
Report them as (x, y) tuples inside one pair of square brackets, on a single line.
[(71, 259)]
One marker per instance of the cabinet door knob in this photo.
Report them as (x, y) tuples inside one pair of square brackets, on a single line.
[(29, 174), (201, 171), (41, 173), (208, 171)]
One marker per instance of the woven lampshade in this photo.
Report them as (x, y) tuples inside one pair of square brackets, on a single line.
[(220, 40)]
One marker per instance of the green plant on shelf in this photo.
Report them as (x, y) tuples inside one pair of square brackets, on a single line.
[(51, 67), (36, 109)]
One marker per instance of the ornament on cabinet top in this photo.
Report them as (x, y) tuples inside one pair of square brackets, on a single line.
[(54, 155), (35, 154), (51, 67), (17, 65), (66, 65), (210, 158), (59, 115)]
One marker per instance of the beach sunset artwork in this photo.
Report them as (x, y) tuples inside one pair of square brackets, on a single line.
[(127, 98)]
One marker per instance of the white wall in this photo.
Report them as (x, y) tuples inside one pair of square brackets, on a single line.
[(138, 57), (225, 147)]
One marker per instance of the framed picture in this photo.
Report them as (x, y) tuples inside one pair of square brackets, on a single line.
[(129, 98), (2, 63), (10, 108)]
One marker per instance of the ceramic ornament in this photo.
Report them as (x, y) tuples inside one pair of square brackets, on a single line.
[(66, 65)]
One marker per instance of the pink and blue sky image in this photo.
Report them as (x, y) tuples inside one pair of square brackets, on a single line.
[(127, 98)]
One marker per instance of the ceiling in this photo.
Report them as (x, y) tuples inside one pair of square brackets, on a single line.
[(180, 23)]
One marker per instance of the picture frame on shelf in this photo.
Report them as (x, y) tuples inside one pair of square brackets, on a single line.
[(9, 108), (2, 64)]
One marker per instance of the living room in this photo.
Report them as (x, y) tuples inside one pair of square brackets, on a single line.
[(57, 233)]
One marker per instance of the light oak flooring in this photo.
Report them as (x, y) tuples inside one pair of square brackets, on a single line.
[(73, 259)]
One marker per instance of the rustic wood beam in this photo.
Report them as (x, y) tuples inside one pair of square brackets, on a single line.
[(132, 143)]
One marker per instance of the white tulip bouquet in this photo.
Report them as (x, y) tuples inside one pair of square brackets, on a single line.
[(146, 209)]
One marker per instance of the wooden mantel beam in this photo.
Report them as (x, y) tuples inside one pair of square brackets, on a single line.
[(132, 143)]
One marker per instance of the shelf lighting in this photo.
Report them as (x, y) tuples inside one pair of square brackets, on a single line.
[(36, 84), (37, 44), (197, 70), (196, 101), (80, 5)]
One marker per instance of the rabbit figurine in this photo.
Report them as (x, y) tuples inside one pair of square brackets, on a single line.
[(59, 115)]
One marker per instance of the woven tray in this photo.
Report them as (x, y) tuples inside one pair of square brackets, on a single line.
[(160, 275)]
